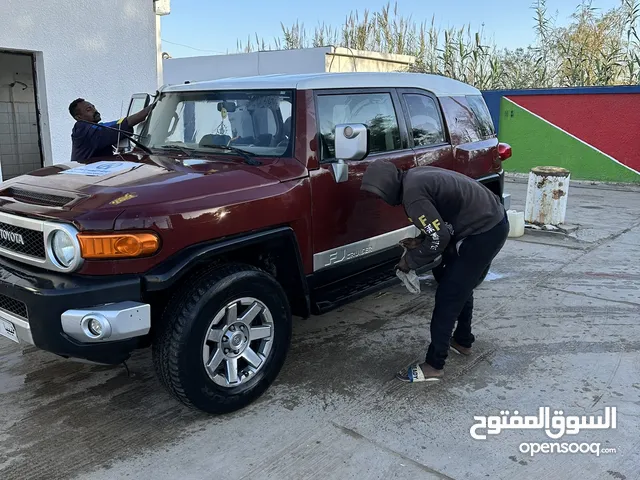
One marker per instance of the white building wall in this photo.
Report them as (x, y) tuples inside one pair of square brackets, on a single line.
[(213, 67), (299, 61), (99, 50)]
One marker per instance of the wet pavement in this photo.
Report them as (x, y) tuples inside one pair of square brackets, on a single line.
[(557, 324)]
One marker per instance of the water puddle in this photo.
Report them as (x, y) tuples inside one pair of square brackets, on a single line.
[(491, 276), (425, 277)]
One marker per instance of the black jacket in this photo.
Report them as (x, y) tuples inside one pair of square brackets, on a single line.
[(444, 205)]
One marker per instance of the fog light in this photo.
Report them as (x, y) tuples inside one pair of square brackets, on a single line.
[(95, 327)]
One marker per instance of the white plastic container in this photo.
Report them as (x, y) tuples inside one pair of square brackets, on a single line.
[(516, 223)]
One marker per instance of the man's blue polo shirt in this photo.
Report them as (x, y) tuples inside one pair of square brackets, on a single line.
[(89, 140)]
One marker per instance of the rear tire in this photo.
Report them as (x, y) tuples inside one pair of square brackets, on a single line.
[(223, 338)]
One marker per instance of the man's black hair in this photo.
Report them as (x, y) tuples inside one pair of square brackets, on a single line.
[(73, 106)]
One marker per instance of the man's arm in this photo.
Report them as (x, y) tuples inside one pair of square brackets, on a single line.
[(136, 118), (100, 138), (436, 235)]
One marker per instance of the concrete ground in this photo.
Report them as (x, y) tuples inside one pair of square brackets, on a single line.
[(557, 325)]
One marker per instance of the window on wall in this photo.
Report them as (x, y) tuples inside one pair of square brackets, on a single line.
[(484, 122), (426, 125), (375, 110)]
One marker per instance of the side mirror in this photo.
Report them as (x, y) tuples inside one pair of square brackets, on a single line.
[(351, 143), (138, 102)]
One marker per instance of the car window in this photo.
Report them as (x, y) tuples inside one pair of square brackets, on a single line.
[(484, 123), (426, 125), (375, 110), (285, 109), (247, 120)]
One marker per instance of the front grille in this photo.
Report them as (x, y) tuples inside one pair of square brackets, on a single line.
[(13, 306), (28, 196), (22, 240)]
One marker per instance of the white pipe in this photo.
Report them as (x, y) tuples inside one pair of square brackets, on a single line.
[(547, 194)]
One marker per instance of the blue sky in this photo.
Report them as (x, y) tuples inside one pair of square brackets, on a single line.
[(212, 26)]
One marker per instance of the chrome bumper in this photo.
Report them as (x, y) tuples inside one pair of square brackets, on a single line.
[(116, 321), (20, 325)]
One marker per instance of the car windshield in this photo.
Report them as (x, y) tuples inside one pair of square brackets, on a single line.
[(256, 122)]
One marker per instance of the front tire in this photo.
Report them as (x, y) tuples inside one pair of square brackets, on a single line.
[(223, 338)]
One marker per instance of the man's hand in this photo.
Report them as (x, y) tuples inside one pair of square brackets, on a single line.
[(402, 265), (411, 243)]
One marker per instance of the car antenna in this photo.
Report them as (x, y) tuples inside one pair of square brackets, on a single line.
[(117, 146)]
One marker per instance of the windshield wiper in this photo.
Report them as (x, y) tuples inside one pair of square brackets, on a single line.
[(184, 150), (243, 153)]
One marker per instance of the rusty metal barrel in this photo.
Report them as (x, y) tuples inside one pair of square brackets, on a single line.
[(547, 194)]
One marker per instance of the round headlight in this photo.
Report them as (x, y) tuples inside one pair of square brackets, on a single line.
[(63, 248)]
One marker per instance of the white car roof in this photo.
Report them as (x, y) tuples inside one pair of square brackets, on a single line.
[(437, 84)]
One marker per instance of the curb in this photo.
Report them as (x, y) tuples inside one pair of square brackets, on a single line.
[(564, 229)]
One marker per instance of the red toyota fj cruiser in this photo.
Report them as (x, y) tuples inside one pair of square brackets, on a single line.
[(238, 207)]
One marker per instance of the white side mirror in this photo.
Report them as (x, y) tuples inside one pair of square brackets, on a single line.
[(352, 141)]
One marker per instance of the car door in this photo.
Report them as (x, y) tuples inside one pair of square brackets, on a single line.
[(348, 223), (427, 129)]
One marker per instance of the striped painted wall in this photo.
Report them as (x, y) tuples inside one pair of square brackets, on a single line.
[(594, 132)]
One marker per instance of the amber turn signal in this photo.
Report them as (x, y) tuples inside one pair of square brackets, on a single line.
[(118, 245)]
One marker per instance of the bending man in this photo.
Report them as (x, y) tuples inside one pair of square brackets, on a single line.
[(450, 209)]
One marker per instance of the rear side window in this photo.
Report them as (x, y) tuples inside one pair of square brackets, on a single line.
[(375, 110), (426, 125), (483, 120)]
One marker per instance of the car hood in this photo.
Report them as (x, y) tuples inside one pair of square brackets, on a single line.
[(129, 180)]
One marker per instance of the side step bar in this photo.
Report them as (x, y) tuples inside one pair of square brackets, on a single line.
[(340, 293)]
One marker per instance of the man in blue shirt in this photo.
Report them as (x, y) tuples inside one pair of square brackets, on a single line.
[(88, 139)]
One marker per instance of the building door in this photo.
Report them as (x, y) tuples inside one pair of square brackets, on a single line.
[(20, 150)]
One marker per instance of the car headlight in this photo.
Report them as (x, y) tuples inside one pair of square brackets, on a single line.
[(63, 248)]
